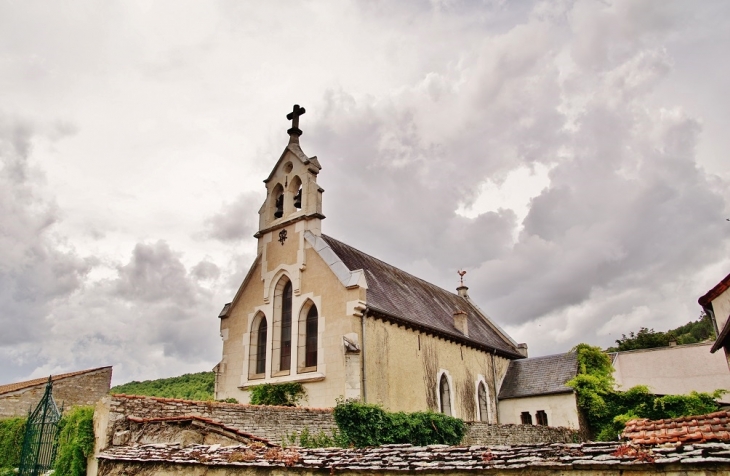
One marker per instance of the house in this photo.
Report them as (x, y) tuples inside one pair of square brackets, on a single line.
[(534, 392), (83, 387), (314, 310), (716, 303), (673, 370)]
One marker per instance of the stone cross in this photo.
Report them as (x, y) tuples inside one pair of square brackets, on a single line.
[(294, 117)]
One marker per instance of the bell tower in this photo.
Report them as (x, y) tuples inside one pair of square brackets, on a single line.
[(292, 192)]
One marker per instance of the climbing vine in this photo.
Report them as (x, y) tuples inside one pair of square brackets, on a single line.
[(282, 394), (606, 410)]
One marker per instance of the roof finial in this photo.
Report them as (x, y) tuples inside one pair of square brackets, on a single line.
[(294, 117), (462, 290)]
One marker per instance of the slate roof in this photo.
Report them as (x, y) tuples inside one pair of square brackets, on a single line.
[(398, 294), (12, 387), (534, 459), (539, 376), (691, 429)]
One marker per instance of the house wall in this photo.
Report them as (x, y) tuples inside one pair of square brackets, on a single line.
[(721, 308), (673, 370), (561, 409), (403, 368), (84, 389), (312, 280)]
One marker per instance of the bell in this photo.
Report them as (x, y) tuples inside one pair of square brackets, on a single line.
[(279, 207), (298, 199)]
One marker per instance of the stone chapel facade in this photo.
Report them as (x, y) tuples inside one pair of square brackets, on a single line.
[(317, 311)]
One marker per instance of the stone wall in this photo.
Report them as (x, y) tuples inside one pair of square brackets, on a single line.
[(487, 434), (274, 423), (79, 388)]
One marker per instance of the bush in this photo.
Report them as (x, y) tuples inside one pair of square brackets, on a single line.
[(365, 424), (75, 442), (282, 394), (11, 442)]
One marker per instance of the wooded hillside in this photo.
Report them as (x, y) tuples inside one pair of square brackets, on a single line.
[(198, 386)]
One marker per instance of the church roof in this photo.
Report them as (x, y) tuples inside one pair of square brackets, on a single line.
[(395, 294), (539, 376)]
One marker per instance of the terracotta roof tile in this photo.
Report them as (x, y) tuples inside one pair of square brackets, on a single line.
[(401, 295), (12, 387), (701, 428)]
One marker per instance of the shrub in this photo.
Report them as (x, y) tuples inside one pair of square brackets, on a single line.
[(75, 442), (283, 394), (365, 424), (11, 442)]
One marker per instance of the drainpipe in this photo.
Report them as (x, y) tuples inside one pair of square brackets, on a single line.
[(362, 355), (496, 393)]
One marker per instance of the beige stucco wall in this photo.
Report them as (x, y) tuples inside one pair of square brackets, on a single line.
[(403, 368), (313, 281), (721, 308), (561, 409), (673, 370)]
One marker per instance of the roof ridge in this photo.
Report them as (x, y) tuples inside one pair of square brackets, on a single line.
[(392, 266)]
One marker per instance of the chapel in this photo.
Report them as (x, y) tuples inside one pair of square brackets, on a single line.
[(345, 324)]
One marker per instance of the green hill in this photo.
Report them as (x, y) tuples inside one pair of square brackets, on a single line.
[(199, 386), (690, 333)]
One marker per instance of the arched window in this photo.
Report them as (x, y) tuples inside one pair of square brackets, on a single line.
[(445, 393), (257, 353), (281, 348), (308, 337), (483, 405)]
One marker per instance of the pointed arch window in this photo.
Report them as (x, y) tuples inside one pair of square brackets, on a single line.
[(445, 393), (483, 402), (282, 342), (295, 189), (257, 353), (308, 337)]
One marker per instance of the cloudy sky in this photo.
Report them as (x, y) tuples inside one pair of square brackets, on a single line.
[(570, 155)]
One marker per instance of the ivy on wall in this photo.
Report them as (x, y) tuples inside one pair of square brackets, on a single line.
[(607, 410), (75, 442)]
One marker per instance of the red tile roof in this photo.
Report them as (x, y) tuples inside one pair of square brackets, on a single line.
[(11, 387), (715, 292), (691, 429)]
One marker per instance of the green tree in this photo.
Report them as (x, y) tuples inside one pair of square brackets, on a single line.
[(197, 386)]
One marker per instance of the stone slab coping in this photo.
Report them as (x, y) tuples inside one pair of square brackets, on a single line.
[(406, 458)]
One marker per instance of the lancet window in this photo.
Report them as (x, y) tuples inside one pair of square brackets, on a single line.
[(282, 342), (483, 405), (257, 354), (445, 393), (308, 337)]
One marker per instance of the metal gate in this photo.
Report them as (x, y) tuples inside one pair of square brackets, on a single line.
[(41, 436)]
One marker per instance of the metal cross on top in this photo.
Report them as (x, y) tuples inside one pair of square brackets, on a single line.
[(294, 117)]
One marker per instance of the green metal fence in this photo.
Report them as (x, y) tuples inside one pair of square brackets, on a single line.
[(41, 436)]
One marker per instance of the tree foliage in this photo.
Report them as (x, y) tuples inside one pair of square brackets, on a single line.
[(607, 410), (75, 442), (366, 424), (11, 442), (690, 333), (284, 394), (198, 386)]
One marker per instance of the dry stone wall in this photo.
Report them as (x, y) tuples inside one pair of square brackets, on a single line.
[(81, 389), (275, 423)]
